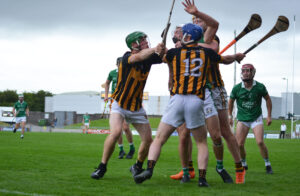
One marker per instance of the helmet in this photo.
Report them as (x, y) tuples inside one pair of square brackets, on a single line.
[(134, 37), (119, 59), (21, 96), (192, 30), (249, 67)]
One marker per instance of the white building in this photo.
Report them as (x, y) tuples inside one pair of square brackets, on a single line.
[(92, 103)]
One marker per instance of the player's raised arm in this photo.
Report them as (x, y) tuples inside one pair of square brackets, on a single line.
[(212, 24)]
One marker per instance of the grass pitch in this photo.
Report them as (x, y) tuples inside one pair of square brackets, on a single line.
[(61, 164)]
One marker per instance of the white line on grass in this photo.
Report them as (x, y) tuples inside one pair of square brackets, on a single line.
[(21, 193)]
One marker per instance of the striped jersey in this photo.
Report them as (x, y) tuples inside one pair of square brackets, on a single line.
[(189, 66), (132, 80), (214, 75)]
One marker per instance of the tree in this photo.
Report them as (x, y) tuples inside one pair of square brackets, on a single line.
[(36, 101), (8, 98)]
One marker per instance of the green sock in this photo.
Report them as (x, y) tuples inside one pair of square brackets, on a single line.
[(220, 164), (121, 147), (131, 145), (185, 171)]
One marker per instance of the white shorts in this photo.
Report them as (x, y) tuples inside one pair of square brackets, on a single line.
[(20, 119), (184, 108), (139, 117), (87, 124), (209, 106), (253, 124), (219, 96)]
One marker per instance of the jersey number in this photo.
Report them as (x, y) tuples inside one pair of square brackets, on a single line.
[(195, 71)]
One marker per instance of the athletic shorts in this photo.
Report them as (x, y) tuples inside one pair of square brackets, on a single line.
[(219, 96), (209, 106), (253, 124), (184, 108), (20, 119), (87, 124), (139, 117)]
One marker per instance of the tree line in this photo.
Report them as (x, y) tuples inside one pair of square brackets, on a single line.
[(36, 101)]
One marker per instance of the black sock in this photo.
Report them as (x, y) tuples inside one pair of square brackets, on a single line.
[(202, 173), (150, 165), (139, 164), (102, 166)]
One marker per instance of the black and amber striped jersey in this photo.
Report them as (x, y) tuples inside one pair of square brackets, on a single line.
[(189, 66), (214, 75), (132, 80)]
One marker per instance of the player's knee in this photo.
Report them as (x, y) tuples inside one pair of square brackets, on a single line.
[(260, 143), (218, 142), (216, 137), (148, 140)]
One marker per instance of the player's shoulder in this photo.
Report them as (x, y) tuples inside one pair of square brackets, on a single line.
[(238, 86), (259, 84)]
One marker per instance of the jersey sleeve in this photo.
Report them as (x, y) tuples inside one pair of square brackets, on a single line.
[(217, 39), (109, 78), (264, 90), (126, 58), (214, 57), (170, 55)]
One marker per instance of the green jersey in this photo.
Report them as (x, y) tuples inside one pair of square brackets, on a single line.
[(21, 108), (86, 118), (113, 77), (248, 101)]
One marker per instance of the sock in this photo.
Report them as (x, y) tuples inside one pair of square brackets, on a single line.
[(185, 171), (102, 166), (220, 165), (131, 145), (191, 167), (244, 163), (202, 173), (239, 167), (15, 129), (139, 164), (267, 162), (150, 165), (121, 147)]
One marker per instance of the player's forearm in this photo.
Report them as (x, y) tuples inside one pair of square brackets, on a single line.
[(106, 88), (231, 58), (142, 55), (269, 107), (230, 106), (210, 21)]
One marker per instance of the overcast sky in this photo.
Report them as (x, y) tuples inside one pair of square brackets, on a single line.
[(71, 45)]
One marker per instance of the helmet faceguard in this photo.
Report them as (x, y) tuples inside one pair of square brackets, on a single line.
[(135, 37), (194, 31), (247, 72)]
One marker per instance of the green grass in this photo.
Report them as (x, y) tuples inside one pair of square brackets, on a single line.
[(61, 164), (154, 122), (104, 123)]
